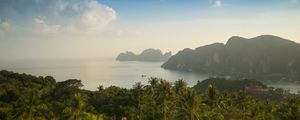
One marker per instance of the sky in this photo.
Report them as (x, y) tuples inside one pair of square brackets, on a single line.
[(54, 29)]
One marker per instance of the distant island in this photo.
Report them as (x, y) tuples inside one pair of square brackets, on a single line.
[(146, 55), (269, 58)]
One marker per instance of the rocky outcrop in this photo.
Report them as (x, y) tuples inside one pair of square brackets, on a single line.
[(146, 55), (264, 57)]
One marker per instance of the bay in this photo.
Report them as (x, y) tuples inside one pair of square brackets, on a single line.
[(108, 72), (104, 71)]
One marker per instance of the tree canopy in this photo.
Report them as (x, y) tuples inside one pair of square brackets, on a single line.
[(24, 96)]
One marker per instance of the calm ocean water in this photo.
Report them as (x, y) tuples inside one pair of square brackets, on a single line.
[(107, 72)]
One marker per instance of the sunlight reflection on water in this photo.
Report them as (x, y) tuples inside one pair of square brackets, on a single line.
[(107, 72)]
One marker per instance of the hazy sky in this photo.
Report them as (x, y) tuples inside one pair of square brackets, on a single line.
[(42, 29)]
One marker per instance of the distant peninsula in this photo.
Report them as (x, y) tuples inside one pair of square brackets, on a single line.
[(265, 57), (147, 55)]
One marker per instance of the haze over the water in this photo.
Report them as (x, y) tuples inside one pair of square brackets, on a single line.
[(50, 29)]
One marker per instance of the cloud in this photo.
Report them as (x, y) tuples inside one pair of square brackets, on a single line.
[(6, 27), (58, 15), (42, 26), (96, 16), (216, 3)]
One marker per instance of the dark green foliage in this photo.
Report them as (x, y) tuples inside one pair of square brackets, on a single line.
[(227, 85), (28, 97)]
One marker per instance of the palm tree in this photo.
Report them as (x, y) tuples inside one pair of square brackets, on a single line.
[(78, 108), (153, 81), (180, 86), (211, 95), (138, 94), (153, 84), (31, 109), (164, 94), (294, 107), (189, 105), (151, 104)]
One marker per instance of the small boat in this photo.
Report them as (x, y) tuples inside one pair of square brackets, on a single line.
[(143, 76)]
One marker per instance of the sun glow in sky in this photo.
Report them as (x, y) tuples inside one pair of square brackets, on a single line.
[(43, 29)]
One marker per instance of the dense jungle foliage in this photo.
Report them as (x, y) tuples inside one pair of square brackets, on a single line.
[(28, 97)]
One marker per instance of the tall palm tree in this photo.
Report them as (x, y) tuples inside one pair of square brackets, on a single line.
[(294, 107), (212, 95), (138, 94), (189, 105), (151, 91), (78, 108), (153, 84), (164, 95), (31, 109), (180, 86)]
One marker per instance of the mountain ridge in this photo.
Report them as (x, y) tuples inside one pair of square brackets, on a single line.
[(146, 55), (265, 57)]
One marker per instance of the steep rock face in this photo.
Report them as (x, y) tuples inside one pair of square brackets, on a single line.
[(146, 55), (264, 57), (127, 56), (167, 55)]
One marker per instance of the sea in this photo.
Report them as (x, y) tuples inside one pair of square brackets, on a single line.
[(109, 72)]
